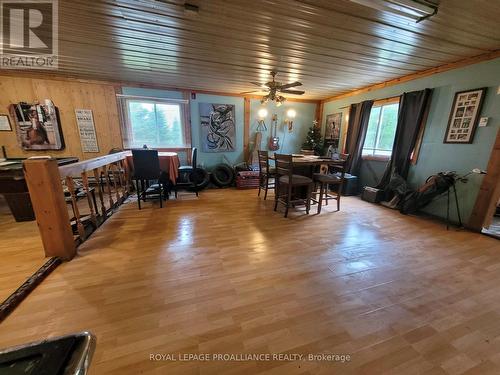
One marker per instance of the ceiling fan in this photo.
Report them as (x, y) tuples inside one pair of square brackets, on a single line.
[(275, 88)]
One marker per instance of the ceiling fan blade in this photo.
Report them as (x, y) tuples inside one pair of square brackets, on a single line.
[(263, 85), (293, 84), (250, 92), (295, 92)]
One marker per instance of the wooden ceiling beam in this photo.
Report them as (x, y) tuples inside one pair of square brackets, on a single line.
[(413, 76), (118, 83)]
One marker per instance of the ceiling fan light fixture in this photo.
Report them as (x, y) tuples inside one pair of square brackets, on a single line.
[(275, 88), (279, 100)]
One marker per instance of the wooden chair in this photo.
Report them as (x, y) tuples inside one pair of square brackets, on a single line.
[(334, 176), (286, 182), (146, 169), (265, 173)]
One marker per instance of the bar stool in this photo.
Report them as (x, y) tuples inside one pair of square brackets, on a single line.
[(334, 176), (265, 173), (286, 181)]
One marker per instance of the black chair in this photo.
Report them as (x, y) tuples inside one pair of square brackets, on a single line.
[(186, 171), (190, 168), (286, 182), (146, 169)]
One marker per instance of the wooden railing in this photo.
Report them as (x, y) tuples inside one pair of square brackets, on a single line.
[(90, 190)]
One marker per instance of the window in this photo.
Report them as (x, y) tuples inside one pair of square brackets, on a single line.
[(381, 130), (155, 123)]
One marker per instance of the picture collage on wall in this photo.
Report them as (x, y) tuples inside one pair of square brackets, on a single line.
[(464, 116)]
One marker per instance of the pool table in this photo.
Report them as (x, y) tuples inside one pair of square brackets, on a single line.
[(14, 189)]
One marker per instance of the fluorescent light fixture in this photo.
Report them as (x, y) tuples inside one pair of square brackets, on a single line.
[(418, 10)]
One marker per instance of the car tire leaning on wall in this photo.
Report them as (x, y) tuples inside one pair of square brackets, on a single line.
[(199, 178), (223, 175)]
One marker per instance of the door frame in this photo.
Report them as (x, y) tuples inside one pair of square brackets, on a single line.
[(489, 192)]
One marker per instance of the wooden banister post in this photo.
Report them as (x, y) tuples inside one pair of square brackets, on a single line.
[(47, 196)]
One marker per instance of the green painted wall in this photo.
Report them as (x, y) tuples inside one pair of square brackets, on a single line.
[(435, 156), (210, 159), (290, 142)]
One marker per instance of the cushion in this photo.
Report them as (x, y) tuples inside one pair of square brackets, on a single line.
[(327, 178), (271, 170), (296, 180)]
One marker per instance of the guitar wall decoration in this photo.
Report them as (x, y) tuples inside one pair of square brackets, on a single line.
[(274, 141)]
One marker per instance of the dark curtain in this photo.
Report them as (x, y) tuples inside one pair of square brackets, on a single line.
[(359, 114), (413, 108)]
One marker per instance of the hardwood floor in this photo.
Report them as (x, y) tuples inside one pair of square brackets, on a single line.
[(226, 274), (21, 251)]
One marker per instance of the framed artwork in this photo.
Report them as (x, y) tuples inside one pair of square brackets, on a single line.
[(332, 128), (37, 126), (5, 123), (218, 130), (464, 116)]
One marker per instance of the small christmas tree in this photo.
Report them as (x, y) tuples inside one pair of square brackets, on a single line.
[(313, 139)]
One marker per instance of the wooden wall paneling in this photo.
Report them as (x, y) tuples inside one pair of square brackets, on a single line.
[(246, 128), (67, 96), (489, 193), (80, 78), (319, 114), (186, 95), (12, 89), (106, 118)]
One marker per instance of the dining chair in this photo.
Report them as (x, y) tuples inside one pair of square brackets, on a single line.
[(286, 182), (265, 173), (147, 168), (333, 177), (186, 173)]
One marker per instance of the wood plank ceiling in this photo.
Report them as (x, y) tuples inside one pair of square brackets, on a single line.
[(331, 46)]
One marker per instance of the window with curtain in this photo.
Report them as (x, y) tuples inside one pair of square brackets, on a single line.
[(157, 124), (381, 130)]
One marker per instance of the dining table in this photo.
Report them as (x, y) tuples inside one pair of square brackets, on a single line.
[(305, 164), (169, 162)]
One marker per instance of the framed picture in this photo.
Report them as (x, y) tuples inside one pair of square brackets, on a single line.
[(218, 130), (464, 116), (37, 126), (5, 123), (86, 128), (332, 128)]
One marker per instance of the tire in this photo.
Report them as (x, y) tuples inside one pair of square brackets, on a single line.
[(200, 179), (222, 175)]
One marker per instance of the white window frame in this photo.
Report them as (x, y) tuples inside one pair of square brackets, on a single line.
[(372, 152), (127, 125)]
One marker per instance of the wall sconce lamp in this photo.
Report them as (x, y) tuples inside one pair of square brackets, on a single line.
[(290, 115), (262, 114)]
